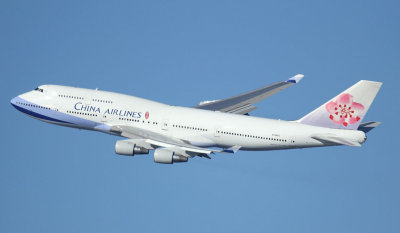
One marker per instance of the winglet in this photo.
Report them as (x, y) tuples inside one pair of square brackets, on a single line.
[(295, 79)]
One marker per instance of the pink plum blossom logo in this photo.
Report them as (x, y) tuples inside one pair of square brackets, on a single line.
[(344, 110), (147, 115)]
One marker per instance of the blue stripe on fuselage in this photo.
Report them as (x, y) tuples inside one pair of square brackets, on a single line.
[(37, 115), (56, 117)]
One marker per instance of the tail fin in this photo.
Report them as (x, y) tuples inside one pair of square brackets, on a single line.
[(346, 110)]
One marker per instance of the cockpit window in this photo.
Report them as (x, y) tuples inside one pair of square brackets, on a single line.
[(38, 89)]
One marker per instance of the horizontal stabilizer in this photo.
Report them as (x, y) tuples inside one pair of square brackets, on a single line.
[(232, 149), (368, 126), (335, 139)]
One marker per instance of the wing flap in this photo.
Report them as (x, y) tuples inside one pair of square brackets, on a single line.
[(244, 109), (185, 147)]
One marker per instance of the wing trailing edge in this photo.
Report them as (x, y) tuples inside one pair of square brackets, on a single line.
[(152, 140)]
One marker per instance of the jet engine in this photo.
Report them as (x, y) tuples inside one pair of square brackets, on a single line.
[(126, 147), (166, 156)]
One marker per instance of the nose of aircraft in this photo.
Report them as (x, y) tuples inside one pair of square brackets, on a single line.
[(13, 101)]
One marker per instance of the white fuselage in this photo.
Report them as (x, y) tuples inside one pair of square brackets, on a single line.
[(100, 110)]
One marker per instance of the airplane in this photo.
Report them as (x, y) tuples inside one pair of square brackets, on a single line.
[(220, 126)]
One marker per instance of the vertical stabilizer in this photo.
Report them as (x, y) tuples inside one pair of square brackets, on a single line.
[(346, 110)]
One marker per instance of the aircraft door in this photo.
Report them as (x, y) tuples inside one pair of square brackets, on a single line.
[(217, 132), (292, 141), (164, 124), (104, 118), (55, 112), (88, 98)]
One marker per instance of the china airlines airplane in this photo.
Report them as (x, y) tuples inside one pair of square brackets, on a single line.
[(178, 133)]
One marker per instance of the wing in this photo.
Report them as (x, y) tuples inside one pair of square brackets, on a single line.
[(152, 140), (243, 103)]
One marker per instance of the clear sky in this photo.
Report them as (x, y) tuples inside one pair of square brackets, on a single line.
[(56, 179)]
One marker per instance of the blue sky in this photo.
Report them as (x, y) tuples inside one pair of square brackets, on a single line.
[(55, 179)]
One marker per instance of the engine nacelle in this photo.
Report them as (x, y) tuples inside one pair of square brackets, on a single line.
[(168, 157), (128, 148)]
